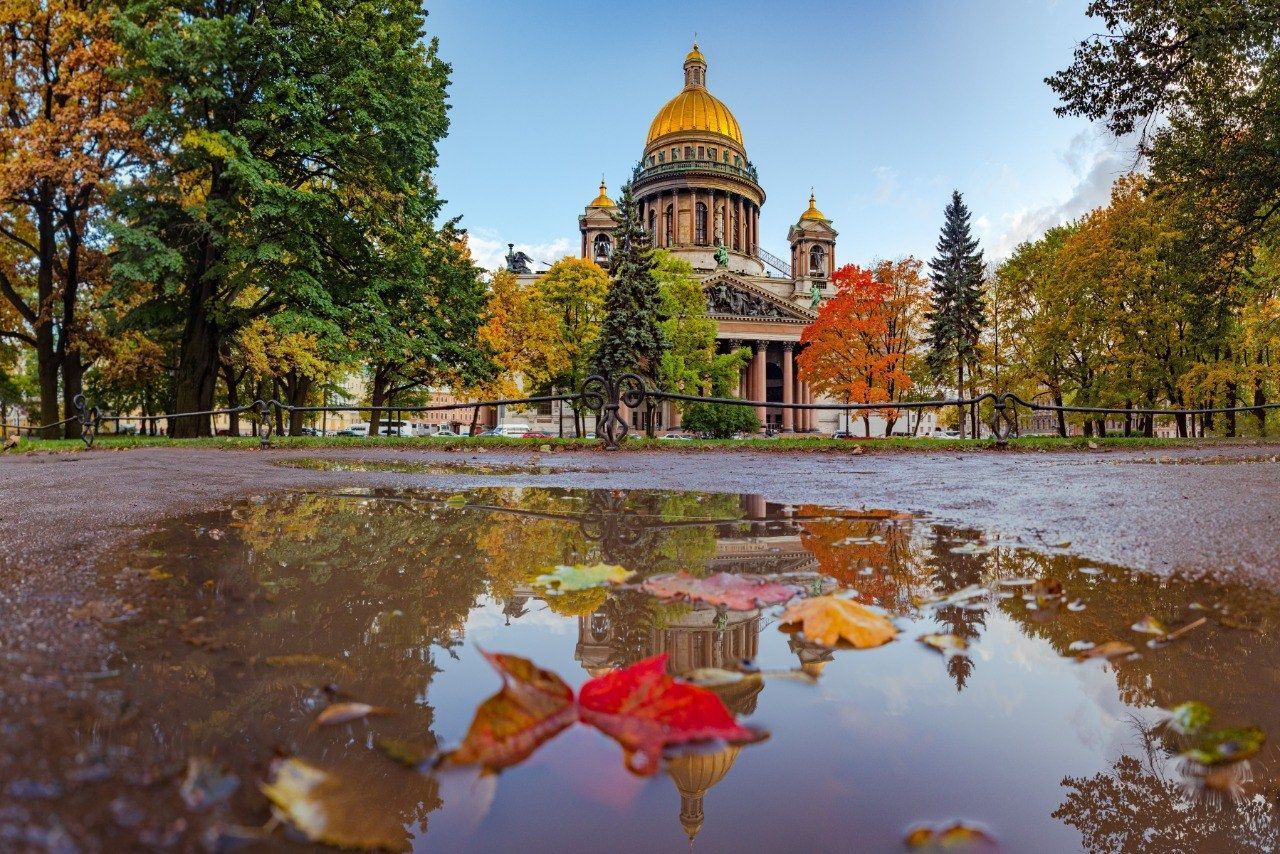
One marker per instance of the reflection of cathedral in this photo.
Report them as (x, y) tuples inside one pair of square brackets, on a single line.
[(700, 197)]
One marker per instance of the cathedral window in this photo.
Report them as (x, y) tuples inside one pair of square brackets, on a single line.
[(669, 226), (603, 248), (688, 152), (700, 224), (817, 261), (702, 153)]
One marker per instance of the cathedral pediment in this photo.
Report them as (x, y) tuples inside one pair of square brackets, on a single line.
[(729, 296)]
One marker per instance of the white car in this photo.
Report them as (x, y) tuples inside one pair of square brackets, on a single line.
[(513, 431), (945, 434), (361, 429)]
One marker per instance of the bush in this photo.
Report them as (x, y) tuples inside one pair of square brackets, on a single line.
[(720, 420)]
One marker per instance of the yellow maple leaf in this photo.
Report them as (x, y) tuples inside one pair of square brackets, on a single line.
[(829, 619)]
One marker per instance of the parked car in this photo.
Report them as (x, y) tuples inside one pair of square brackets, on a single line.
[(513, 431), (949, 433), (677, 437), (843, 434), (445, 433), (361, 430)]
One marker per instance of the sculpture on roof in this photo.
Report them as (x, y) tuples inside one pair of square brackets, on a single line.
[(518, 262)]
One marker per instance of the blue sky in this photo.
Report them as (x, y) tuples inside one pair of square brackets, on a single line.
[(882, 106)]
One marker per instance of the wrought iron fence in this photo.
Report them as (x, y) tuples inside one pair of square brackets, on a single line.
[(605, 397)]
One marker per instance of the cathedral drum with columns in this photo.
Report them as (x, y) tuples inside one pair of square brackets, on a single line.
[(700, 197)]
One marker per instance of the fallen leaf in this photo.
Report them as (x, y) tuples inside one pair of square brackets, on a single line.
[(1046, 588), (582, 577), (11, 442), (955, 836), (645, 710), (1227, 745), (948, 645), (827, 620), (326, 808), (577, 603), (732, 591), (1149, 625), (206, 783), (341, 713), (409, 753), (532, 706), (1108, 650), (1190, 717), (456, 500), (1180, 631), (973, 591)]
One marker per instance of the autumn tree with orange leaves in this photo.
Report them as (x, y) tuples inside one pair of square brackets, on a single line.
[(851, 352)]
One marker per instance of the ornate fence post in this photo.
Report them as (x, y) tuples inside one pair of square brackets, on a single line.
[(264, 426), (1004, 419), (89, 419), (606, 396)]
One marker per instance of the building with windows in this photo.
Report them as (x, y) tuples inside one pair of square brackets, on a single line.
[(700, 197)]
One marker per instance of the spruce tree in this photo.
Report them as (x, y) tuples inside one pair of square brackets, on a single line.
[(957, 310), (631, 337)]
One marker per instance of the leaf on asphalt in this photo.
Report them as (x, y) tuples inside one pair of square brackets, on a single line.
[(409, 753), (1108, 650), (732, 591), (206, 783), (1190, 717), (582, 577), (645, 710), (341, 713), (948, 645), (1227, 745), (828, 620), (1149, 625), (532, 706), (325, 808), (954, 836)]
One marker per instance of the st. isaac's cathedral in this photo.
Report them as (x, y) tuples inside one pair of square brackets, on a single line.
[(700, 197)]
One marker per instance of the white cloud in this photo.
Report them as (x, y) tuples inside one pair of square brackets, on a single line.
[(1096, 161), (490, 250)]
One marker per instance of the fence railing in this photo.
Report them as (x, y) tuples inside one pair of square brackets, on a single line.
[(605, 397)]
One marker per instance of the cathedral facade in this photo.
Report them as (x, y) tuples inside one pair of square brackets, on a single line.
[(700, 197)]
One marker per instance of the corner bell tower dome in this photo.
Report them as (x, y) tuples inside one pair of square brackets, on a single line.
[(695, 110)]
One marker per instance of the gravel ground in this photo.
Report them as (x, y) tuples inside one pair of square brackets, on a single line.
[(1214, 508)]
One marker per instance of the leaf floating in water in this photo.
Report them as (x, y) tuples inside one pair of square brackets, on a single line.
[(1190, 717), (341, 713), (408, 753), (732, 591), (955, 836), (1075, 605), (1177, 633), (582, 577), (456, 500), (1227, 745), (711, 677), (973, 591), (1046, 588), (1090, 570), (206, 783), (1080, 646), (1149, 625), (828, 620), (325, 808), (645, 710), (532, 706), (948, 645), (1017, 582), (1108, 650)]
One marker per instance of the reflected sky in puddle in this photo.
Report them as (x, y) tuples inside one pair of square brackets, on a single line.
[(266, 612)]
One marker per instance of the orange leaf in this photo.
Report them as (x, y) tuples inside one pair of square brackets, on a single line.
[(341, 713), (533, 705), (645, 710), (829, 619)]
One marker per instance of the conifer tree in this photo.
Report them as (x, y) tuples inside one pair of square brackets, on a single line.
[(957, 311), (631, 338)]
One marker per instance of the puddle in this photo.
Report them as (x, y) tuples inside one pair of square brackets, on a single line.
[(436, 468), (267, 614)]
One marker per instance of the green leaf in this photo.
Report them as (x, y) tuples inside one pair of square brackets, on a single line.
[(565, 579), (1190, 717), (1227, 745)]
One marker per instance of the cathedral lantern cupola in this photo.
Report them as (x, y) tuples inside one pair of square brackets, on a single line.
[(813, 250), (597, 225)]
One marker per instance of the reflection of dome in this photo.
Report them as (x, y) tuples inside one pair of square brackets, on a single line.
[(695, 110), (694, 774)]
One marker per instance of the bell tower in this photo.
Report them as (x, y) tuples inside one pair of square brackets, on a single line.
[(813, 250), (597, 225)]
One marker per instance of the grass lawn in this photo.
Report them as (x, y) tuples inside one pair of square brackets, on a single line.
[(109, 442)]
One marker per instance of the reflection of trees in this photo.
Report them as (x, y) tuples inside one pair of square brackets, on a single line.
[(1138, 806), (952, 572), (847, 543)]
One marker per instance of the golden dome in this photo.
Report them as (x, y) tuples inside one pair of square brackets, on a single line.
[(813, 212), (602, 200), (694, 774), (695, 109)]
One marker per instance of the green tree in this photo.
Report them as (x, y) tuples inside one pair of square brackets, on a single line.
[(570, 296), (300, 141), (631, 338), (691, 364), (720, 420), (957, 310)]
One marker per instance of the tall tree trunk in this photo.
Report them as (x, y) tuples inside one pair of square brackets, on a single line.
[(1260, 400), (299, 389), (1062, 416), (377, 397), (46, 343), (1233, 394), (962, 415), (233, 391), (197, 363)]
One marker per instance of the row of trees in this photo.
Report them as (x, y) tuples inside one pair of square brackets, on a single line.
[(208, 201)]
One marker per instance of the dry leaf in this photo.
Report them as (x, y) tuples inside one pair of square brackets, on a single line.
[(956, 836), (827, 620), (1149, 625), (1108, 650), (948, 645), (326, 808), (341, 713)]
